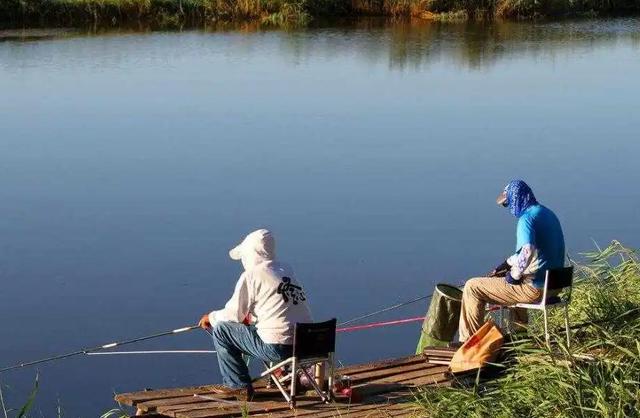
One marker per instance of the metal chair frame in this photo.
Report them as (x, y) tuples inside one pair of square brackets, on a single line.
[(555, 280), (300, 360)]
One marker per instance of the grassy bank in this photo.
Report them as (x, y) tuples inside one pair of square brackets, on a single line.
[(283, 12), (598, 376)]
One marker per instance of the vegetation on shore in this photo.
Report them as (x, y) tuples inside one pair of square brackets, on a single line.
[(597, 376), (288, 12)]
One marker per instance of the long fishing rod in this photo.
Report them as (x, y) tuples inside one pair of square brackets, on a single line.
[(99, 348)]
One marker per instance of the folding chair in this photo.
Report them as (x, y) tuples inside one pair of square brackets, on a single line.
[(312, 343), (555, 281)]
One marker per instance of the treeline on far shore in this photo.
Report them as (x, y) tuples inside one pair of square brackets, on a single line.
[(283, 12)]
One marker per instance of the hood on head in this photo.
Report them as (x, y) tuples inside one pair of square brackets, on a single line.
[(518, 197), (255, 248)]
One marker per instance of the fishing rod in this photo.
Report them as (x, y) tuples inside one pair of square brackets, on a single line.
[(386, 309), (342, 329), (99, 348), (94, 350)]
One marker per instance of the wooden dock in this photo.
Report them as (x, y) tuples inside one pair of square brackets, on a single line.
[(379, 389)]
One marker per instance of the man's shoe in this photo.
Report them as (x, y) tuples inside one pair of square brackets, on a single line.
[(241, 394)]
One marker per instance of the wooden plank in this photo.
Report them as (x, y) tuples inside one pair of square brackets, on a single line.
[(324, 411), (431, 380), (397, 396), (371, 389), (439, 350), (153, 404), (404, 377), (149, 416), (224, 409), (374, 374), (191, 399), (396, 382), (172, 410), (439, 362), (378, 365), (133, 398), (209, 404), (227, 411), (439, 355)]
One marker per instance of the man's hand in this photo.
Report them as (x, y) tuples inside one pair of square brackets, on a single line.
[(510, 280), (500, 271), (204, 322)]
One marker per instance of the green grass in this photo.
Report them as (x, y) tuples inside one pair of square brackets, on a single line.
[(23, 412), (288, 12), (597, 376)]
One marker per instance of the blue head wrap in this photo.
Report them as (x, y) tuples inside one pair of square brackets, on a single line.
[(519, 197)]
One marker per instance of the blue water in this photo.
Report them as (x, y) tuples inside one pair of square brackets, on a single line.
[(131, 162)]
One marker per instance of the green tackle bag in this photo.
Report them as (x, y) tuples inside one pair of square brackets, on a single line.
[(441, 323)]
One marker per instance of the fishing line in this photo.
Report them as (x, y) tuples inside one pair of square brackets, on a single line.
[(380, 324), (101, 347), (387, 309), (111, 353)]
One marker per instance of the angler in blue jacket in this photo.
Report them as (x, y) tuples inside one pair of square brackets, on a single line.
[(520, 279)]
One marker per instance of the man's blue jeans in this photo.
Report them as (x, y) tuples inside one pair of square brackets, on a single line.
[(232, 340)]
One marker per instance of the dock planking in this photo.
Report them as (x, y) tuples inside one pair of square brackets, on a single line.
[(379, 389)]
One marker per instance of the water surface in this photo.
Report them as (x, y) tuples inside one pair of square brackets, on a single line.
[(131, 162)]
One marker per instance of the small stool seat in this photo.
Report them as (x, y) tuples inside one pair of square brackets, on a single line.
[(312, 343)]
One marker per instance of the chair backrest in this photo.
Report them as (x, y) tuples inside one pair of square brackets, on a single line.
[(555, 281), (316, 339), (559, 278)]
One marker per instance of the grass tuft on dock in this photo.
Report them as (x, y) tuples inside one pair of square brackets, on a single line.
[(597, 376)]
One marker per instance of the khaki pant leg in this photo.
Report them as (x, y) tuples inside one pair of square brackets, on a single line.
[(495, 290)]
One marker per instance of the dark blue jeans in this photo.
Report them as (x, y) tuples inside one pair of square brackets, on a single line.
[(232, 340)]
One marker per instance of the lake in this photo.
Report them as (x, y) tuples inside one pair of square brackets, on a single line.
[(131, 162)]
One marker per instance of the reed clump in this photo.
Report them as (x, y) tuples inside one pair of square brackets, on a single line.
[(598, 375), (111, 12)]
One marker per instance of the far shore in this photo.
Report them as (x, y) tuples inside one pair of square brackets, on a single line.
[(176, 13)]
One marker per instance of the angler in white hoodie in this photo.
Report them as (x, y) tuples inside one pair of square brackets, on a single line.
[(260, 317)]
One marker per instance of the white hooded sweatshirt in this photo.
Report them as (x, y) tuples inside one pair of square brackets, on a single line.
[(267, 291)]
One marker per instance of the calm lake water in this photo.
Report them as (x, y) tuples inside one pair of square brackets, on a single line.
[(131, 162)]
